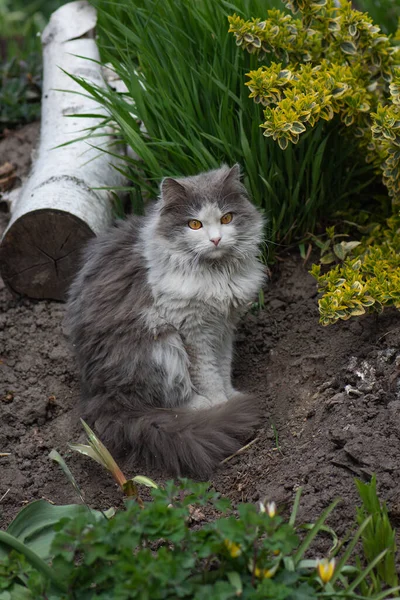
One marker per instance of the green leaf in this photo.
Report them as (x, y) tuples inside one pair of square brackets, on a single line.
[(235, 581), (366, 571), (316, 165), (339, 251), (349, 549), (295, 508), (314, 532), (17, 592), (283, 143), (352, 29), (297, 127), (348, 48), (33, 525), (327, 259), (349, 246), (333, 25), (145, 481), (101, 454), (339, 91), (344, 248), (326, 529), (86, 451), (379, 535), (54, 455)]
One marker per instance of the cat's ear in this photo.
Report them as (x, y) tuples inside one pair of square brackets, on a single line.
[(232, 176), (172, 192), (231, 180)]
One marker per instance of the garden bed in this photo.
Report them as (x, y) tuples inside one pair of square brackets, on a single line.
[(331, 399)]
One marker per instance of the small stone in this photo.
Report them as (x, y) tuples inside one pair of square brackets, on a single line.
[(351, 391), (336, 399), (276, 304)]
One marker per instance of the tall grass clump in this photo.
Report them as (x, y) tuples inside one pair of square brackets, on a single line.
[(187, 109)]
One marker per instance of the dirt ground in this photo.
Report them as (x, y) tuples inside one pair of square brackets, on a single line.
[(331, 399)]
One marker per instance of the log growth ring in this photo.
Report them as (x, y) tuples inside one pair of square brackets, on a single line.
[(40, 253)]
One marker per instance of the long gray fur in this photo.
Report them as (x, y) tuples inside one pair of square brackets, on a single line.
[(151, 317)]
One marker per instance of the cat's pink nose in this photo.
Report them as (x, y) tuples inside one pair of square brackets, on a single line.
[(215, 241)]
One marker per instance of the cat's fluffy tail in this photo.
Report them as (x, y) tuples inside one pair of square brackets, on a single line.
[(183, 441)]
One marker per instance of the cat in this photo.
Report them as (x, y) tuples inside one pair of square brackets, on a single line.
[(151, 316)]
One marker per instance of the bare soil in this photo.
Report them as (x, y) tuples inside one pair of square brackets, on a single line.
[(331, 399)]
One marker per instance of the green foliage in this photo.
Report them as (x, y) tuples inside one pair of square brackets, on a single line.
[(155, 552), (335, 65), (14, 567), (187, 110), (331, 249), (386, 137), (378, 535), (29, 537), (333, 60), (21, 23), (96, 450), (20, 91), (33, 525), (368, 281), (20, 59)]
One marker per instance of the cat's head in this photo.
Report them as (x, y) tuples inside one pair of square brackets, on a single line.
[(209, 216)]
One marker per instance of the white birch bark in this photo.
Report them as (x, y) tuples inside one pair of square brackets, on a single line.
[(58, 210)]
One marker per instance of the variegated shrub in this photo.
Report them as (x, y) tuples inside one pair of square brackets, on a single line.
[(335, 63)]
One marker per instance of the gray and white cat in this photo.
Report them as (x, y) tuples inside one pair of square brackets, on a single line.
[(151, 317)]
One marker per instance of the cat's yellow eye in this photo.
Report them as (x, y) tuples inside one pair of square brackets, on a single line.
[(195, 224), (226, 218)]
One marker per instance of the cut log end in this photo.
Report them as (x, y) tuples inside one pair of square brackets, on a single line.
[(40, 253)]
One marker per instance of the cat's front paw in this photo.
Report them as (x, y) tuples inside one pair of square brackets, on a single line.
[(232, 393), (198, 402), (235, 395)]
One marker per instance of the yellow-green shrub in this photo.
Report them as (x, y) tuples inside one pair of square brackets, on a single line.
[(370, 280), (335, 63)]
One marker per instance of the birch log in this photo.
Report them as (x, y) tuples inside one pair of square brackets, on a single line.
[(58, 209)]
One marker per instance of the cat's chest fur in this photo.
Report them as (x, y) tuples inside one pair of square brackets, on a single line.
[(204, 294)]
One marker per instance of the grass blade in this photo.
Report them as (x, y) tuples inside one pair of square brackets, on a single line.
[(54, 455), (314, 532)]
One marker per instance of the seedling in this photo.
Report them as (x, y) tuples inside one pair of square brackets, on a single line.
[(98, 452), (333, 251)]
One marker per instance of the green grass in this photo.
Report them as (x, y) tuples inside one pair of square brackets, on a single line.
[(378, 535), (186, 78)]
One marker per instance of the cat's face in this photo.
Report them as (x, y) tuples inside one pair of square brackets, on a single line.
[(209, 216)]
